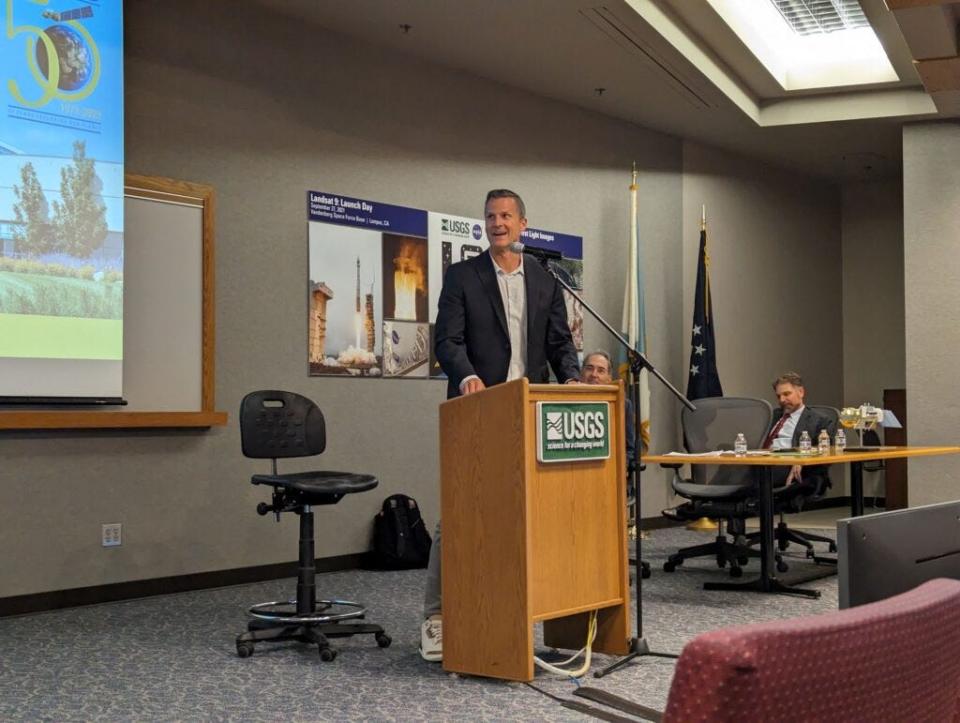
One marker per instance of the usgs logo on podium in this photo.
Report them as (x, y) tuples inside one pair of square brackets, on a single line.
[(573, 431)]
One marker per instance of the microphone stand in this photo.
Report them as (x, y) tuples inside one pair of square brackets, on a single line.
[(638, 362)]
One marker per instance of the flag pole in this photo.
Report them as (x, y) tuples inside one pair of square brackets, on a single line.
[(637, 365), (704, 524)]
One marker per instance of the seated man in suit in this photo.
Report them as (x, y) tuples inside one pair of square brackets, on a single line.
[(500, 317), (789, 422)]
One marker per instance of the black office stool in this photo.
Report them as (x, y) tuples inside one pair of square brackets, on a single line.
[(276, 424)]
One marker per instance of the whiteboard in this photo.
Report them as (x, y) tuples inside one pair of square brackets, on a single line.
[(162, 305)]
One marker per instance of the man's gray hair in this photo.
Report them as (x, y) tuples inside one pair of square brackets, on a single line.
[(788, 378), (604, 354), (507, 193)]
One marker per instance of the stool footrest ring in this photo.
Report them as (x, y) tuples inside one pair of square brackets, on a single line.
[(274, 612)]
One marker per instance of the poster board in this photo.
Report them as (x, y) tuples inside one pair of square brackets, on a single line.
[(375, 275)]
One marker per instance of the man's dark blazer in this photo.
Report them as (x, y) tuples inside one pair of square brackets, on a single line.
[(811, 422), (470, 336)]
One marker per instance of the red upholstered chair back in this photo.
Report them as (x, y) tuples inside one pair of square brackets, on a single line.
[(893, 660)]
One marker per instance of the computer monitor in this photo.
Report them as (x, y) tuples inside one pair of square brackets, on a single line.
[(888, 553)]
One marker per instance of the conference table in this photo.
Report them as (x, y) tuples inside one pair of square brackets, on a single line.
[(764, 462)]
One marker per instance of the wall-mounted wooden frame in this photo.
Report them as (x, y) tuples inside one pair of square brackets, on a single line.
[(181, 193)]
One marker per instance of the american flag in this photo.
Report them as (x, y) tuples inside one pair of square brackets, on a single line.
[(703, 379)]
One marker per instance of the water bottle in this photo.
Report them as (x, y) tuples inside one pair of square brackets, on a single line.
[(804, 441), (840, 441), (823, 442), (740, 445)]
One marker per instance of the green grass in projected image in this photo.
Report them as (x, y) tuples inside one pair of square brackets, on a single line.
[(60, 337), (23, 293)]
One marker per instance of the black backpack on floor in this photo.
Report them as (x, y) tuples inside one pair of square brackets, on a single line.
[(400, 539)]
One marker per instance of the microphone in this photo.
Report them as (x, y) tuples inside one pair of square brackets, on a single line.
[(541, 254)]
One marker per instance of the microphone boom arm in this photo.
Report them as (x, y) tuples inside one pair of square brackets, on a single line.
[(637, 360)]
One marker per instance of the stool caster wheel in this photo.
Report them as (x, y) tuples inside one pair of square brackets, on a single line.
[(645, 572), (383, 640), (810, 553), (244, 649), (832, 547), (669, 566), (327, 654), (736, 571), (782, 566)]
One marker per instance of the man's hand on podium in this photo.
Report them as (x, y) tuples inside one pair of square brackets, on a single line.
[(471, 385)]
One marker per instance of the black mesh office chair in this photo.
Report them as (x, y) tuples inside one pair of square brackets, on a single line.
[(276, 424), (724, 493), (787, 500)]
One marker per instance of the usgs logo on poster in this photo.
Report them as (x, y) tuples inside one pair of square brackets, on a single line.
[(573, 431), (455, 227)]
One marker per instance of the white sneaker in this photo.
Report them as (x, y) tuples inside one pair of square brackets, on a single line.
[(431, 639)]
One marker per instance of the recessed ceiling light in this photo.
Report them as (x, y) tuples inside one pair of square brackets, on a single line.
[(809, 44)]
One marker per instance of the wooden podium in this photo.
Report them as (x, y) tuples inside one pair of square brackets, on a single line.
[(526, 541)]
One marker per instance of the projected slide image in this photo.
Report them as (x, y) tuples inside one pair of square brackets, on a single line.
[(49, 316), (61, 200), (54, 290), (345, 301), (62, 270)]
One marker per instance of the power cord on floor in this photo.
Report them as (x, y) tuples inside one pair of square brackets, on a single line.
[(586, 651), (583, 707)]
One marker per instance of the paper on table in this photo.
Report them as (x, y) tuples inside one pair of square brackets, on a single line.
[(718, 453)]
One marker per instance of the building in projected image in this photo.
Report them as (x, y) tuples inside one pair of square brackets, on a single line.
[(109, 256)]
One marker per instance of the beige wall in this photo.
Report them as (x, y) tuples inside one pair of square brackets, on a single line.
[(931, 229), (774, 242), (873, 341), (239, 100)]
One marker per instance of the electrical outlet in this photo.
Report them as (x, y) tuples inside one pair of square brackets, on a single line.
[(112, 534)]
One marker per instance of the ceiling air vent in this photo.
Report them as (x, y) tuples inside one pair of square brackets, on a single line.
[(813, 17)]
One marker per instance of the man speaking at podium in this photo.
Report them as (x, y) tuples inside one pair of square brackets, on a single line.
[(500, 317)]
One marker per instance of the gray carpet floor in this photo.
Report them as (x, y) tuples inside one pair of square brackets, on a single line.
[(173, 657)]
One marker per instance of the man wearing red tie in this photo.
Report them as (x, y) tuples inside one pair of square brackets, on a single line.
[(789, 422)]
